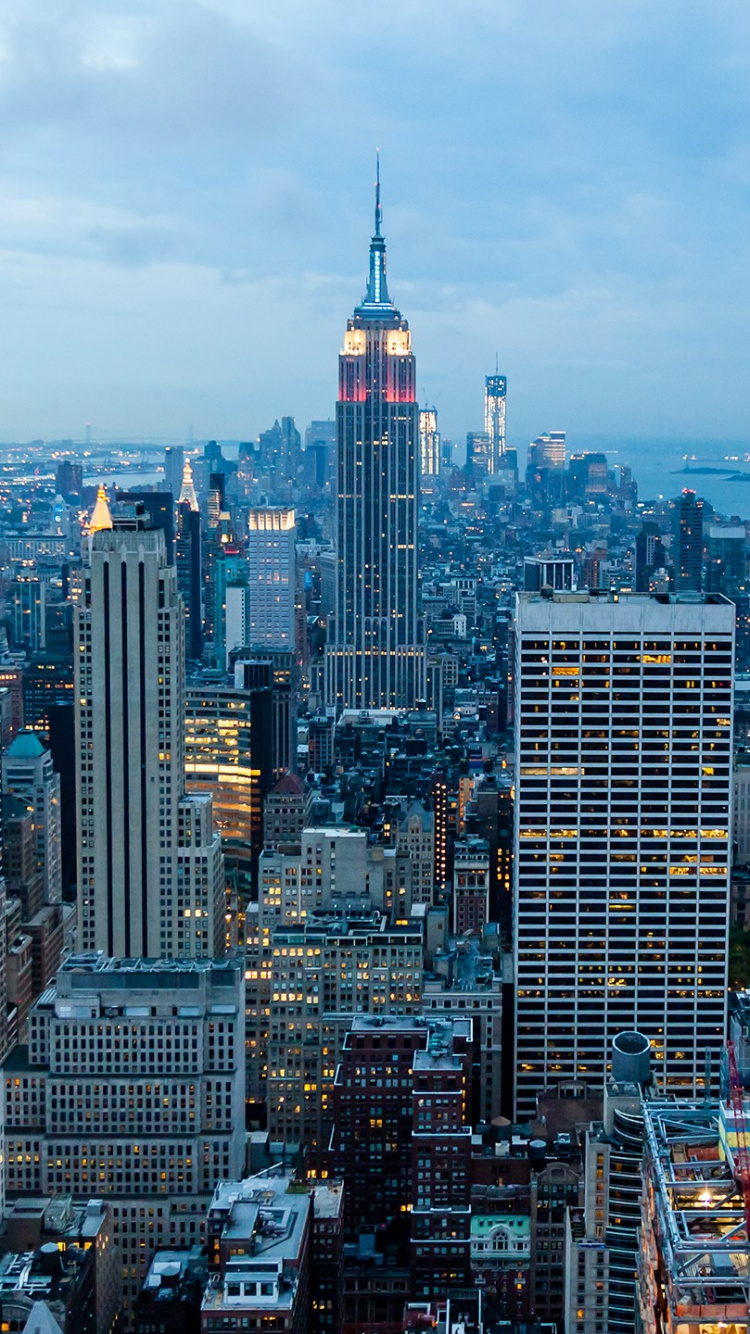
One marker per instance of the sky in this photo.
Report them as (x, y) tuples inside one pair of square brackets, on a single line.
[(186, 195)]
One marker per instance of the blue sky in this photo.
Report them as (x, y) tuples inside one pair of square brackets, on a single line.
[(185, 210)]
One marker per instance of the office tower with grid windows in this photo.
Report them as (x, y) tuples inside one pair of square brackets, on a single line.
[(622, 833), (150, 865), (271, 539), (376, 657)]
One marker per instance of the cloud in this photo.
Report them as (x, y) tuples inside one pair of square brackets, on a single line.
[(185, 206)]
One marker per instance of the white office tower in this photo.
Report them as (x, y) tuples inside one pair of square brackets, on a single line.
[(622, 833), (132, 1088), (150, 867), (271, 554), (28, 773)]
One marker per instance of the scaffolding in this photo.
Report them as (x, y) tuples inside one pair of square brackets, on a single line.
[(694, 1261)]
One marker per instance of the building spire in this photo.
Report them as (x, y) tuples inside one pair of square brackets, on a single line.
[(187, 494), (101, 517), (378, 209), (377, 287)]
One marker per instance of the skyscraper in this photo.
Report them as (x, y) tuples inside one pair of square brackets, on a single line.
[(376, 658), (271, 577), (622, 836), (188, 561), (690, 543), (429, 442), (495, 396), (150, 869)]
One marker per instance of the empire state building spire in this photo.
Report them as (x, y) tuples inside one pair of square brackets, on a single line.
[(377, 287), (375, 656)]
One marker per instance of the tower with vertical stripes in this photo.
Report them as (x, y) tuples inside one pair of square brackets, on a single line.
[(375, 656)]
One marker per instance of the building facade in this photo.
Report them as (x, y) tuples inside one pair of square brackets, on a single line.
[(377, 658), (132, 806), (131, 1087), (622, 833)]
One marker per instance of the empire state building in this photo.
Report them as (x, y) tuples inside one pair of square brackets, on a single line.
[(376, 656)]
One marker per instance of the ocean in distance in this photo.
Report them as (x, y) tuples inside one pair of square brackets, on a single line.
[(657, 467)]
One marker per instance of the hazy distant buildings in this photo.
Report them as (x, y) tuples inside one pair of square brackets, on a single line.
[(429, 443), (376, 658), (495, 400), (188, 560), (548, 450)]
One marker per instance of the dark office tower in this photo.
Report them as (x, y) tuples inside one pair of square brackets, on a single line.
[(188, 562), (376, 658), (479, 454), (650, 556), (62, 746), (158, 508), (211, 553), (174, 462), (727, 558), (320, 450), (273, 671), (69, 480), (689, 543), (495, 395)]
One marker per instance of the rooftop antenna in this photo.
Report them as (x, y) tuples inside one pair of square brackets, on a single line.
[(378, 210)]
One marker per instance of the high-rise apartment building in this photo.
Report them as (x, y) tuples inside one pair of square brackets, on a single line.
[(429, 442), (622, 833), (131, 1088), (495, 398), (270, 546), (150, 868), (376, 658)]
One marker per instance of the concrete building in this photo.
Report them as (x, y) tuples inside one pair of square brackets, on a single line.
[(131, 1086), (304, 985), (286, 812), (29, 774), (271, 536), (259, 1245), (402, 1139), (141, 891), (622, 827), (471, 885), (61, 1259), (463, 984)]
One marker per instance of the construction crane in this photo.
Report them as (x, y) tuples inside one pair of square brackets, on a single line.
[(742, 1152)]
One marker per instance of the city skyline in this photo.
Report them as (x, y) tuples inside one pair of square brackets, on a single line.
[(595, 237)]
